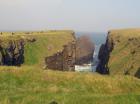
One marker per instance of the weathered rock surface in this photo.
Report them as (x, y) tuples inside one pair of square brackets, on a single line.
[(104, 55), (64, 60), (12, 49), (121, 53), (74, 53), (12, 52)]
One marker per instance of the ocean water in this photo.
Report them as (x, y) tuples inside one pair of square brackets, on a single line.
[(98, 39)]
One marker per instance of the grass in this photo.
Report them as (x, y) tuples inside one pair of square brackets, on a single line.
[(30, 84), (121, 59), (132, 32), (47, 43), (33, 85)]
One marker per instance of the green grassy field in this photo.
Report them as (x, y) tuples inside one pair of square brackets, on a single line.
[(32, 85), (45, 45)]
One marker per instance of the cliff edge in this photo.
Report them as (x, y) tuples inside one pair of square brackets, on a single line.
[(121, 53), (31, 48), (78, 52)]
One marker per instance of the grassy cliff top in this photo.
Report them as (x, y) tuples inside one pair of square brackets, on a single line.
[(46, 44), (125, 32), (125, 57), (18, 35), (36, 32)]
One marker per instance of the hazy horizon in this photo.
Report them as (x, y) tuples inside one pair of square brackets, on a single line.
[(77, 15)]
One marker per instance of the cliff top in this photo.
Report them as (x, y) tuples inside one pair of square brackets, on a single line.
[(45, 43), (125, 56), (126, 32), (16, 35)]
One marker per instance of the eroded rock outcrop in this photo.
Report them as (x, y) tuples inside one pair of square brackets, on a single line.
[(69, 56), (121, 53), (12, 52), (64, 60), (74, 53), (36, 46)]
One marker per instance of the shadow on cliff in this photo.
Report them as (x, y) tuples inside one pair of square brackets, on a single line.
[(15, 60), (12, 59), (12, 54), (138, 73), (104, 56)]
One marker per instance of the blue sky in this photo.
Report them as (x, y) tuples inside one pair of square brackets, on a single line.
[(78, 15)]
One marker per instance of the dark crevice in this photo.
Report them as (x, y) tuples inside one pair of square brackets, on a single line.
[(12, 54), (104, 56)]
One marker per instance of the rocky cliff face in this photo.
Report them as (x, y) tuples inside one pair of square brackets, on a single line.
[(104, 55), (69, 56), (12, 49), (12, 52), (63, 61), (121, 53), (74, 53)]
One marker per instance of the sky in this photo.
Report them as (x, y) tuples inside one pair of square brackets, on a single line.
[(78, 15)]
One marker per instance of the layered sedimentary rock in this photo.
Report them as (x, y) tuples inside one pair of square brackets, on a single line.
[(55, 62), (74, 53), (69, 56), (64, 60), (121, 53)]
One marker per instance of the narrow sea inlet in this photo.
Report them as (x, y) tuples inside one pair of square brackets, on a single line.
[(98, 39)]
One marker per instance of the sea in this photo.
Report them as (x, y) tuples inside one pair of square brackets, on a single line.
[(98, 39)]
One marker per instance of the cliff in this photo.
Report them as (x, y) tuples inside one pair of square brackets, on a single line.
[(56, 50), (78, 52), (31, 48), (12, 52), (121, 53), (64, 60), (12, 49)]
